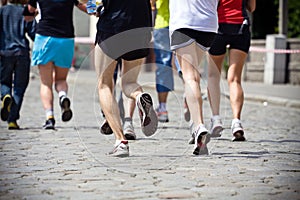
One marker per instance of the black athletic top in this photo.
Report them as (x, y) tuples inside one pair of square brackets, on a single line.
[(124, 29), (122, 15), (56, 17)]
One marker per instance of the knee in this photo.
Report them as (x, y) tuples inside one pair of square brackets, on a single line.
[(60, 82), (191, 78), (233, 80), (105, 83)]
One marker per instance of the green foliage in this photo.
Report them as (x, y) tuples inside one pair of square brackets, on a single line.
[(266, 15), (265, 19), (294, 22)]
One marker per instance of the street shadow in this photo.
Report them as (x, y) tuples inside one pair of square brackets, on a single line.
[(173, 127), (251, 154), (242, 154), (277, 141)]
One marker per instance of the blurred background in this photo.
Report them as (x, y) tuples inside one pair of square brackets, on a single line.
[(274, 56)]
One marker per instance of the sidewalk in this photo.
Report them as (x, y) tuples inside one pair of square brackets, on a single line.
[(71, 162), (277, 94)]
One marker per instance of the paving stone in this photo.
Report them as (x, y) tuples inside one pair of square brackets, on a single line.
[(72, 162)]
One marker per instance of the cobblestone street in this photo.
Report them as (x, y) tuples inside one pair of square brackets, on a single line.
[(72, 162)]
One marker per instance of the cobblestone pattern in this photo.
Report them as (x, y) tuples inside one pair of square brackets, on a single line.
[(71, 162)]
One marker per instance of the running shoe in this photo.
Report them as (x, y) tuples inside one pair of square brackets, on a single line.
[(216, 126), (49, 124), (66, 112), (162, 116), (147, 114), (105, 128), (128, 129), (13, 126), (201, 139), (120, 150), (237, 132), (5, 109), (186, 110)]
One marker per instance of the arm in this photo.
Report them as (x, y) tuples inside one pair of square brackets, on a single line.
[(251, 5), (153, 4), (31, 28), (30, 12), (82, 7)]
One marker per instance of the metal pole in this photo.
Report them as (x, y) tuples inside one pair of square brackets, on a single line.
[(283, 17)]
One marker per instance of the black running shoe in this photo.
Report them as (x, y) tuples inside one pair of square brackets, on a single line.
[(13, 126), (49, 124), (147, 114), (5, 109), (66, 112), (105, 128)]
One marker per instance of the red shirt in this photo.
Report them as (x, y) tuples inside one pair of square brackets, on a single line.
[(232, 11)]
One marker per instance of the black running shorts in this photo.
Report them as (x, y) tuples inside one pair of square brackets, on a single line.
[(127, 45), (237, 41), (183, 37)]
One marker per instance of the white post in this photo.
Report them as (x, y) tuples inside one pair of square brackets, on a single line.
[(275, 65)]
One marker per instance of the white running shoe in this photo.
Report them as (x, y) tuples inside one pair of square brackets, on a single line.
[(201, 139), (216, 126), (120, 150), (237, 131), (147, 114), (128, 129)]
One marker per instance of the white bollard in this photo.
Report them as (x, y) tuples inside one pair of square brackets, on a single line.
[(275, 65)]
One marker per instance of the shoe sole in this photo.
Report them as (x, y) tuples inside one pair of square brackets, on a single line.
[(49, 128), (66, 111), (147, 114), (13, 128), (192, 140), (120, 155), (5, 110), (106, 129), (129, 136), (238, 137), (187, 115), (202, 141), (216, 132)]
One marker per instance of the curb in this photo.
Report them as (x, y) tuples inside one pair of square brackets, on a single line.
[(270, 100)]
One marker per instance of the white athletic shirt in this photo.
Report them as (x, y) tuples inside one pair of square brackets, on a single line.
[(200, 15)]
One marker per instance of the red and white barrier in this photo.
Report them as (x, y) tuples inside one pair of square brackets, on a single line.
[(89, 40), (278, 51), (84, 40)]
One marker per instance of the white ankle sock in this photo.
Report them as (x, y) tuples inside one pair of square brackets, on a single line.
[(162, 107), (235, 121), (62, 93), (49, 113), (200, 127), (118, 142), (216, 117)]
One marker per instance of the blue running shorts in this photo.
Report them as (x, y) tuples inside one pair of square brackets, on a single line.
[(46, 49)]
